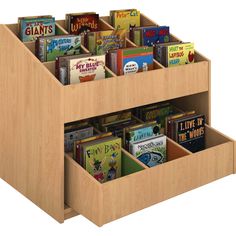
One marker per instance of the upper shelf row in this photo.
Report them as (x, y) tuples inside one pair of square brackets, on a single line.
[(160, 83)]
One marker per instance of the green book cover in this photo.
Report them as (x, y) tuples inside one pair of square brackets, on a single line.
[(103, 159)]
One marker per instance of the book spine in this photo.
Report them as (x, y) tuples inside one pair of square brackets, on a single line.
[(137, 37), (120, 62), (91, 45)]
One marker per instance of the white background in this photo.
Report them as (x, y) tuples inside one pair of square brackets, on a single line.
[(209, 210)]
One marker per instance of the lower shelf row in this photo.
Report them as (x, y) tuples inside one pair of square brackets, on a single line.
[(140, 186)]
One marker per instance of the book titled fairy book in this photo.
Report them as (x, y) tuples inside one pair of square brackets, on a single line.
[(150, 35), (78, 23), (151, 151), (31, 28), (172, 54), (131, 60), (50, 47), (86, 69), (125, 19), (102, 158), (101, 42)]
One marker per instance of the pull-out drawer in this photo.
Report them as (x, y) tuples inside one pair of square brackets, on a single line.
[(140, 187)]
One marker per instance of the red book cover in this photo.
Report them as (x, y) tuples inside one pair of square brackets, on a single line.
[(83, 23)]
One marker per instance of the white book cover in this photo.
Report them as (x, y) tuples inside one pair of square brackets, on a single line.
[(86, 69)]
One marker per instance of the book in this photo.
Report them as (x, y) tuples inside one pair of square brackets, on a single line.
[(170, 128), (31, 28), (140, 132), (115, 118), (117, 128), (102, 158), (150, 35), (133, 60), (61, 70), (151, 151), (158, 113), (173, 54), (50, 47), (77, 155), (75, 135), (75, 125), (159, 51), (190, 132), (125, 19), (82, 23), (86, 69), (101, 42)]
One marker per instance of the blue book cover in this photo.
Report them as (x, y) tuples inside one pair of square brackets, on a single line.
[(32, 28), (154, 35), (133, 60)]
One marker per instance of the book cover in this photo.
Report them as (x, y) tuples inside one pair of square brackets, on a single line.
[(78, 157), (61, 70), (72, 136), (83, 23), (169, 123), (48, 48), (32, 27), (190, 132), (180, 54), (86, 69), (125, 19), (133, 60), (101, 42), (140, 132), (154, 35), (103, 159), (151, 152)]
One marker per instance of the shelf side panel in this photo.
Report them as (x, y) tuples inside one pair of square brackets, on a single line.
[(31, 127)]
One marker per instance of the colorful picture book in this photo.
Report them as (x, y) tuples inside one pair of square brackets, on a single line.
[(31, 28), (61, 66), (173, 54), (150, 151), (86, 69), (188, 130), (82, 23), (139, 132), (150, 35), (131, 60), (101, 42), (125, 19), (48, 48), (101, 157)]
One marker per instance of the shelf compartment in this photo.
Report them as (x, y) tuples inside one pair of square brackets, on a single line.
[(102, 203), (137, 90)]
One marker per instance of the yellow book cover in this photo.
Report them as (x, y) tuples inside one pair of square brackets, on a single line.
[(126, 19), (180, 54)]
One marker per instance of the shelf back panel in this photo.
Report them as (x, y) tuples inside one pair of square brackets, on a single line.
[(31, 127)]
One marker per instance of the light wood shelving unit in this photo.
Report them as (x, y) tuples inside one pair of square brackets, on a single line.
[(35, 106)]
